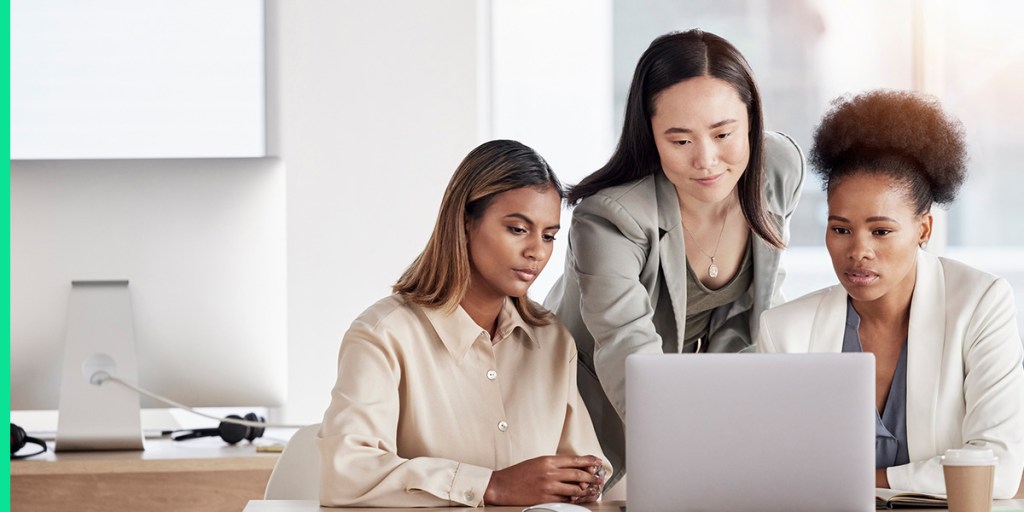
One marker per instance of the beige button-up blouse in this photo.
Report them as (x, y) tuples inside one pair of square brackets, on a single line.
[(426, 406)]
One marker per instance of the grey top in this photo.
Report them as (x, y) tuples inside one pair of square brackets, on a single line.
[(701, 301), (891, 425)]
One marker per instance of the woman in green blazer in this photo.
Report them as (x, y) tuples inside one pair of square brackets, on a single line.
[(675, 242)]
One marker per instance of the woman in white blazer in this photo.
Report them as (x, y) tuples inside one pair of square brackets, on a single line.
[(675, 242), (944, 335)]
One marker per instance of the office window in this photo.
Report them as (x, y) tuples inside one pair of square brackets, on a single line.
[(980, 68), (976, 65)]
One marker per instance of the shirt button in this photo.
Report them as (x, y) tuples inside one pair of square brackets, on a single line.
[(470, 496), (491, 374), (502, 426)]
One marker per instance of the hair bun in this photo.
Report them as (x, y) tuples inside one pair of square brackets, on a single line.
[(884, 122)]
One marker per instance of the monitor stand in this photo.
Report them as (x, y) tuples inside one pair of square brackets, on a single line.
[(100, 338)]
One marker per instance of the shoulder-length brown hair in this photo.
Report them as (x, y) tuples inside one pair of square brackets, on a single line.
[(440, 275), (669, 60)]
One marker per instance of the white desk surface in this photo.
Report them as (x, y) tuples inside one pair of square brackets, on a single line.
[(615, 506), (158, 449), (163, 448)]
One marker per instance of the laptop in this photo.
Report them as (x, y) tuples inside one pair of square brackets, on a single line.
[(750, 432)]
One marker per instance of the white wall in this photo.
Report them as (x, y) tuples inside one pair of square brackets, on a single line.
[(371, 107)]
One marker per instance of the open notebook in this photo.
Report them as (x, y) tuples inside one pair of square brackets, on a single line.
[(895, 498)]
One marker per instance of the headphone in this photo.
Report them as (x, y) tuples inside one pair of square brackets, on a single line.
[(231, 433), (19, 439)]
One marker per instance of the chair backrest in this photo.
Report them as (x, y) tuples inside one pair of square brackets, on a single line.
[(296, 475)]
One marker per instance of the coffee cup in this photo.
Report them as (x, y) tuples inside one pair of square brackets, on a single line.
[(970, 475)]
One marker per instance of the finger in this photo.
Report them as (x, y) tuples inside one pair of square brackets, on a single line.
[(592, 495), (577, 476), (576, 461), (567, 490)]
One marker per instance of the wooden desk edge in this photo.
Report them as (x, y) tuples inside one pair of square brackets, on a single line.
[(107, 466)]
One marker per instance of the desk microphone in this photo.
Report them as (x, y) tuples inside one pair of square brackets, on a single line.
[(19, 439)]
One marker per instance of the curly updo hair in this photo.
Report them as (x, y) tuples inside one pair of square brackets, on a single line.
[(901, 134)]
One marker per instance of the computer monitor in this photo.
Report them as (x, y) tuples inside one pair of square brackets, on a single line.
[(202, 243)]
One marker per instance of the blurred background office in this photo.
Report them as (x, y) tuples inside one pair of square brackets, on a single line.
[(367, 107)]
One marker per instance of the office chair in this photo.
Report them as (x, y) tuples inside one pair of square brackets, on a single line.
[(296, 475)]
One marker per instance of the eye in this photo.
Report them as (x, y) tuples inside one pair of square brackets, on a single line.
[(881, 232), (681, 142), (549, 238), (840, 230), (516, 230), (724, 135)]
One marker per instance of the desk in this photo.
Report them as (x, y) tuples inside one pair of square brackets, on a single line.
[(613, 506), (205, 475), (313, 506)]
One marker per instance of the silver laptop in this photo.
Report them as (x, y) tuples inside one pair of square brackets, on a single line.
[(750, 432)]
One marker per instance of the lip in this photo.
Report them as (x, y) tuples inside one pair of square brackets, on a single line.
[(709, 180), (525, 274), (860, 276)]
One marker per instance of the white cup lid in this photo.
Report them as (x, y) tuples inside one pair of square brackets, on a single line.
[(969, 457)]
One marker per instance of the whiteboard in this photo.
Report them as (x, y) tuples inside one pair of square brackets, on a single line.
[(137, 79)]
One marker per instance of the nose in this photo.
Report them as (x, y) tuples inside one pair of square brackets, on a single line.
[(705, 155), (536, 249), (861, 248)]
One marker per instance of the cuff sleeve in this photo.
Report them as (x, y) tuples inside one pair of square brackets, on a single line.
[(469, 484)]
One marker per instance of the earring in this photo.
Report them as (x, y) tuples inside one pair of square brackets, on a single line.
[(923, 245)]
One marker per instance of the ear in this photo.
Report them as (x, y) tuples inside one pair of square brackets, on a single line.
[(926, 228)]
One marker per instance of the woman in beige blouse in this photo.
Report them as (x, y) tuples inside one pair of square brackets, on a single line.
[(457, 389)]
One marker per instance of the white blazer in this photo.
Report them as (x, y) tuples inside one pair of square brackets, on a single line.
[(965, 380)]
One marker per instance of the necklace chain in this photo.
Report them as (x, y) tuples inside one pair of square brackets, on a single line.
[(713, 268)]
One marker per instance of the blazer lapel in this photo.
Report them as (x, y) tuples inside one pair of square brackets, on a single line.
[(829, 322), (766, 265), (672, 250), (927, 335), (766, 272)]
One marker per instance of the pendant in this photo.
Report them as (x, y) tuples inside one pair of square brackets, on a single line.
[(713, 269)]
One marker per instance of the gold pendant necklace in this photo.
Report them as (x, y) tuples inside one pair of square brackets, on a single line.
[(713, 268)]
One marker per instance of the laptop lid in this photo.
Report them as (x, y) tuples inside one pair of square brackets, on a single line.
[(750, 432)]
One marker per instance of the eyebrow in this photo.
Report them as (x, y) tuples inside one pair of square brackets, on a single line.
[(530, 221), (687, 130), (878, 218)]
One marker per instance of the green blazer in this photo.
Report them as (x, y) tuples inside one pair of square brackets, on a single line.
[(626, 254)]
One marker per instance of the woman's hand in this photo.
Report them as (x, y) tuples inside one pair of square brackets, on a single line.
[(558, 478)]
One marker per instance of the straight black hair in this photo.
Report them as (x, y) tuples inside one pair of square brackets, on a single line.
[(673, 58)]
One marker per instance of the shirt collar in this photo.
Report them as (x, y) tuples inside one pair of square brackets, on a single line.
[(852, 317), (458, 331)]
